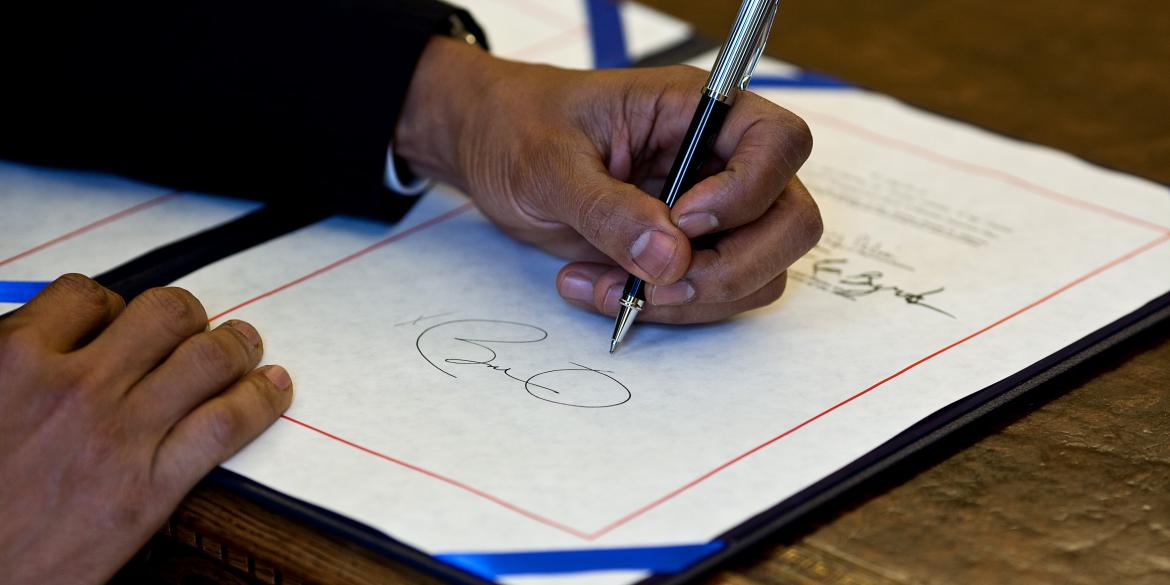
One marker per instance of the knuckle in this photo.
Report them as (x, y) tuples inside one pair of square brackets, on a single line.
[(791, 135), (176, 309), (768, 295), (776, 288), (800, 137), (77, 282), (812, 225), (816, 228), (84, 290)]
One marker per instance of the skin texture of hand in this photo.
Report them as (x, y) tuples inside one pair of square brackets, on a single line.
[(565, 160), (109, 415)]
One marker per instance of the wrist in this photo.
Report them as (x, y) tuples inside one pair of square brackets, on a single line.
[(443, 98)]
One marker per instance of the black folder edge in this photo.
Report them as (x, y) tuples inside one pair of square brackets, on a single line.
[(906, 452)]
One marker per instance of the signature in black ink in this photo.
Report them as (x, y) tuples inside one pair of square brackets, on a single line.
[(829, 265), (471, 342), (867, 283), (864, 245)]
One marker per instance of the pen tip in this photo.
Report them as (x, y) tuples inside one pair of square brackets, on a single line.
[(613, 345)]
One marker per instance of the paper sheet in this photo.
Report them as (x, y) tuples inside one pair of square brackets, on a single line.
[(557, 33), (448, 397), (56, 221)]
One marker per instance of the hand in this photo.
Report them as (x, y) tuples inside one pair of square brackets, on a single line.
[(565, 160), (109, 414)]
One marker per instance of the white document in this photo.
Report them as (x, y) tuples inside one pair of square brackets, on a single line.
[(558, 33), (448, 397), (56, 221)]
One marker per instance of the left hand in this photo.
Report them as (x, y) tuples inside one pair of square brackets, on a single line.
[(109, 414), (565, 159)]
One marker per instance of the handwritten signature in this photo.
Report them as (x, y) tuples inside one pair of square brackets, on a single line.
[(867, 283), (472, 343)]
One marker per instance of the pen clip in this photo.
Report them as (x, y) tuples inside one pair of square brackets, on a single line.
[(760, 41)]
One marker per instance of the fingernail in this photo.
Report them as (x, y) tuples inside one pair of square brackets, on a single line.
[(247, 330), (575, 287), (697, 223), (652, 251), (612, 297), (278, 376), (678, 293)]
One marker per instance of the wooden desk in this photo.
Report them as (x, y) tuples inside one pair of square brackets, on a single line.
[(1077, 491)]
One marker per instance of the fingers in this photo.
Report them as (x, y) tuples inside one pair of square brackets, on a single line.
[(747, 258), (606, 282), (150, 328), (742, 272), (201, 367), (710, 312), (624, 223), (223, 425), (763, 145), (68, 312)]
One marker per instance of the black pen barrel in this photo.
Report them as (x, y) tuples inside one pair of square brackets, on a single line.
[(696, 150), (697, 147)]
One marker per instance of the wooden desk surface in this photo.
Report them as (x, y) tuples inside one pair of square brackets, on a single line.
[(1075, 492)]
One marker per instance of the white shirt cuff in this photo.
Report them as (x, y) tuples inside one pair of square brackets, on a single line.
[(394, 182)]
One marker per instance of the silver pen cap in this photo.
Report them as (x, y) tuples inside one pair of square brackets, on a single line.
[(738, 57)]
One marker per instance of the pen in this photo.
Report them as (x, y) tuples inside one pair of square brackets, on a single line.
[(732, 71)]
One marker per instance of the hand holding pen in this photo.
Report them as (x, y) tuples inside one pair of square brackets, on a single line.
[(570, 161), (732, 71)]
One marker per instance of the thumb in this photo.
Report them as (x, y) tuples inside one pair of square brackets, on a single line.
[(625, 223)]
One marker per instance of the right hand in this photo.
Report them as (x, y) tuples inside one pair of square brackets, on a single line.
[(109, 415), (567, 160)]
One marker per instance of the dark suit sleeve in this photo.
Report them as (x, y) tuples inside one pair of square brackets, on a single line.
[(276, 99)]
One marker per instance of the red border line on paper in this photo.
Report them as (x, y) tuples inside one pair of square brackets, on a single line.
[(91, 226), (456, 483), (354, 256), (539, 11), (975, 169)]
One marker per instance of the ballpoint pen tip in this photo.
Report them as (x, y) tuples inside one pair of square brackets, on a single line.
[(613, 345)]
